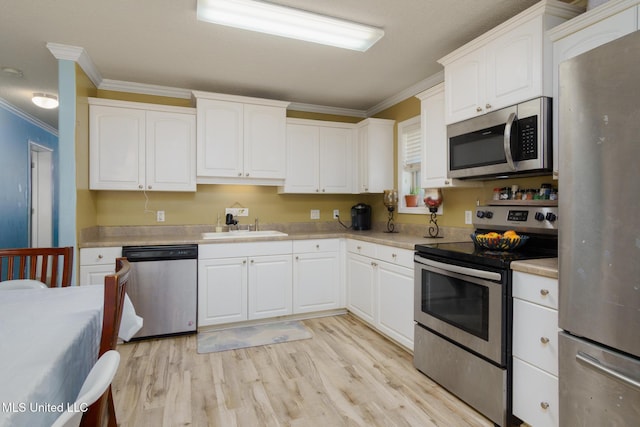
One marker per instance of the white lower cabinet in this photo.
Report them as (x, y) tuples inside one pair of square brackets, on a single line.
[(244, 281), (535, 349), (380, 288), (96, 263), (317, 278)]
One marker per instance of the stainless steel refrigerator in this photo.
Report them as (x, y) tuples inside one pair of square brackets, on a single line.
[(599, 236)]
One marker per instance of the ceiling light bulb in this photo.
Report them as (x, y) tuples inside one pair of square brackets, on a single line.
[(45, 100), (287, 22)]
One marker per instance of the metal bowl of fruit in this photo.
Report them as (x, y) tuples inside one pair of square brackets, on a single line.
[(494, 241)]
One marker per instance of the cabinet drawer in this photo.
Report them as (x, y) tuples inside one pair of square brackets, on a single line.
[(362, 248), (403, 257), (316, 245), (98, 256), (535, 395), (535, 335), (231, 250), (537, 289)]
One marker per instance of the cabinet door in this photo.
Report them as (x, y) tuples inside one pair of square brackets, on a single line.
[(395, 302), (171, 151), (220, 138), (514, 66), (375, 151), (302, 159), (579, 42), (361, 287), (434, 139), (465, 87), (265, 146), (270, 286), (117, 148), (336, 163), (222, 291), (95, 274), (316, 282)]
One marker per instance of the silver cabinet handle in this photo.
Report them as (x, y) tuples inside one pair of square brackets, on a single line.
[(149, 187), (297, 258), (100, 256), (244, 261), (358, 247), (239, 173), (478, 109), (394, 256), (544, 292), (251, 261), (317, 246), (323, 190), (140, 186), (544, 405), (488, 106), (246, 174), (596, 365), (544, 340), (374, 264)]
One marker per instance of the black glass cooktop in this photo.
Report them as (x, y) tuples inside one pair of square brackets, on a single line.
[(468, 252)]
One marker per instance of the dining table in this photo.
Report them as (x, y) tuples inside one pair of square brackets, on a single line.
[(49, 341)]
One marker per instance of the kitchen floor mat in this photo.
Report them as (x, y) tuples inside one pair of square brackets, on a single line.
[(251, 336)]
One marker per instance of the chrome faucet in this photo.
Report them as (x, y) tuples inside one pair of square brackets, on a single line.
[(255, 225)]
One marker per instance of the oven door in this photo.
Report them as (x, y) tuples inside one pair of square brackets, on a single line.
[(464, 305)]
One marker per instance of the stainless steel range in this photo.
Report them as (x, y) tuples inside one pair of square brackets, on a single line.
[(463, 307)]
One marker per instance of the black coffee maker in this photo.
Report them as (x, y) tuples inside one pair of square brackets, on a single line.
[(361, 217)]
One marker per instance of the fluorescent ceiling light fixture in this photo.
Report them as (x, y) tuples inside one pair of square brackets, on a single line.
[(287, 22), (44, 100)]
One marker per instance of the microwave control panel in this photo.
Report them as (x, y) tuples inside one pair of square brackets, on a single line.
[(527, 138)]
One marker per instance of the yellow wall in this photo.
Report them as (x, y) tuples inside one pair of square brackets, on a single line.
[(202, 207)]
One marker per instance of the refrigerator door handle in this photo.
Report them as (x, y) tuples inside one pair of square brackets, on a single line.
[(507, 140), (595, 364)]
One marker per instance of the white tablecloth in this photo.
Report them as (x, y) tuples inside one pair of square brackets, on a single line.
[(49, 340)]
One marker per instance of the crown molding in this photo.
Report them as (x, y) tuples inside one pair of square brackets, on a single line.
[(28, 117), (409, 92), (323, 109), (145, 89), (80, 56)]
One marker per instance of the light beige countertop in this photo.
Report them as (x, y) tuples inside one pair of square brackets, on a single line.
[(547, 267), (407, 237)]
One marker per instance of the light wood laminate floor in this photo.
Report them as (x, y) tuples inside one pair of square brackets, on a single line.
[(346, 375)]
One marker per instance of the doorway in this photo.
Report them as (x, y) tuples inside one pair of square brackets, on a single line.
[(41, 197)]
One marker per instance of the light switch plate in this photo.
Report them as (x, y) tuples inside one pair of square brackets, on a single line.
[(160, 216), (467, 217), (237, 211), (315, 213)]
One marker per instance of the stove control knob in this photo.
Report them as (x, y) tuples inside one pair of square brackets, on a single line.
[(551, 217), (480, 214), (488, 214), (539, 216)]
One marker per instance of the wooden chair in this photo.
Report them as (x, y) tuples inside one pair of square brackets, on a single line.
[(115, 286), (51, 266)]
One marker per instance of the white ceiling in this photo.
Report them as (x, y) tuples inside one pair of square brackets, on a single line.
[(160, 42)]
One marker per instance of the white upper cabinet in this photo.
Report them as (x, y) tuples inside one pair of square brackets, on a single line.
[(434, 141), (507, 65), (375, 155), (590, 30), (319, 157), (240, 140), (136, 146)]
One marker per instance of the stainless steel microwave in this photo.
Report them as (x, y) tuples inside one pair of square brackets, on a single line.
[(511, 141)]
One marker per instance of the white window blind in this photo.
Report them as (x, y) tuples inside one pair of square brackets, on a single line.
[(411, 148)]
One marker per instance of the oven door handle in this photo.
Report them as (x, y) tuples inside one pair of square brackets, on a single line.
[(507, 140), (482, 274)]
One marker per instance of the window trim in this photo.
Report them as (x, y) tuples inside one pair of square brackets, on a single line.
[(421, 209)]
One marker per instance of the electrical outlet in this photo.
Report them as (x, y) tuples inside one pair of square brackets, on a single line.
[(160, 216), (336, 213), (315, 213), (467, 217), (237, 211)]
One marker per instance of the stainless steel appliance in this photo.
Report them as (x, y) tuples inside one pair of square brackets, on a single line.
[(599, 310), (163, 287), (511, 141), (463, 307)]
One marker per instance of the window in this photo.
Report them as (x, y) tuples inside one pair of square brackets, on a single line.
[(410, 165)]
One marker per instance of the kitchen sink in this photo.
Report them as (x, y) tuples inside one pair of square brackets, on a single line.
[(236, 234)]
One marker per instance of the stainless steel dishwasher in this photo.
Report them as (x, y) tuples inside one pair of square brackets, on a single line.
[(163, 287)]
